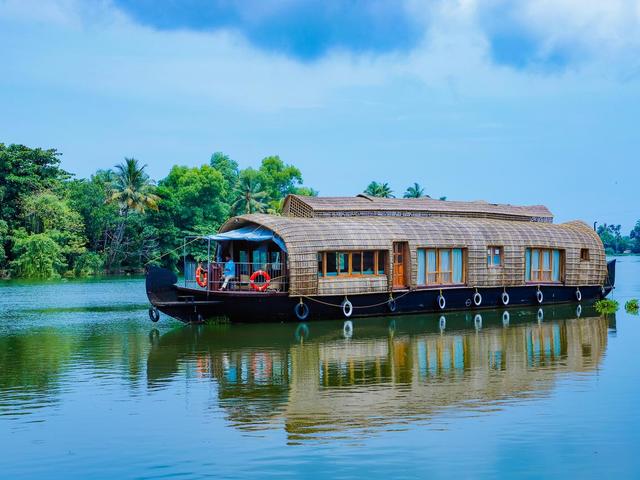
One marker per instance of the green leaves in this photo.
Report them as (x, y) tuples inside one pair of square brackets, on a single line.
[(414, 191), (51, 224), (607, 306), (382, 190), (37, 256)]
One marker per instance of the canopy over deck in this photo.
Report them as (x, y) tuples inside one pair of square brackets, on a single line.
[(249, 233)]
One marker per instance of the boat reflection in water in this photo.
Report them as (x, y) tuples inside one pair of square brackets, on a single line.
[(343, 378)]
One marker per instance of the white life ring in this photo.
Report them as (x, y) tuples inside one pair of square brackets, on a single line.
[(539, 296), (347, 308), (477, 299), (441, 302), (505, 298), (578, 295), (301, 311), (391, 303), (347, 329)]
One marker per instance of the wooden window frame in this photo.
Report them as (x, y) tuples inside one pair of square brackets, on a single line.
[(540, 270), (349, 273), (490, 263), (583, 257), (438, 272)]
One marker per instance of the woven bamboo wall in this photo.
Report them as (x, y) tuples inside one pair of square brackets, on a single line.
[(305, 237)]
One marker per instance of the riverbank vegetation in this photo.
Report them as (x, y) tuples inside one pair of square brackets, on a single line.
[(616, 243), (117, 220)]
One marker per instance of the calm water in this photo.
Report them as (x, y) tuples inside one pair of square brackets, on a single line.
[(89, 388)]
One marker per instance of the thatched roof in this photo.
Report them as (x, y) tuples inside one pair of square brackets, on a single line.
[(364, 205), (304, 237)]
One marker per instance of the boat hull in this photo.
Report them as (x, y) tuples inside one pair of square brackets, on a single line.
[(194, 306)]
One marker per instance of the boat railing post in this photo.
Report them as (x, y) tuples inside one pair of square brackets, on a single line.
[(208, 264), (184, 260)]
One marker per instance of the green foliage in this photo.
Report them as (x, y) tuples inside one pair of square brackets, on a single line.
[(614, 242), (414, 191), (89, 263), (277, 179), (51, 224), (131, 188), (192, 202), (37, 256), (606, 305), (88, 197), (24, 171), (228, 168), (376, 189), (4, 230), (250, 194), (631, 306), (634, 238)]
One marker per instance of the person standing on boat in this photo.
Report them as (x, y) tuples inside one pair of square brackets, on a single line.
[(229, 271)]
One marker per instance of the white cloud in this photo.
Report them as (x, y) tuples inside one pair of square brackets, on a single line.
[(94, 47)]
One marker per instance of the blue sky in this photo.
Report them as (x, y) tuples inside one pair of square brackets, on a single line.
[(523, 102)]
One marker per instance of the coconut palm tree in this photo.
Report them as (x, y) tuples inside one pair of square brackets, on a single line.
[(132, 190), (376, 189), (250, 197), (414, 191)]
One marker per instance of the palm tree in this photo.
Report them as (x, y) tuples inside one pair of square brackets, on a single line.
[(131, 190), (376, 189), (250, 197), (414, 191)]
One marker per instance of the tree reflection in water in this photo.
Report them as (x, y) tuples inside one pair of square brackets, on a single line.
[(327, 382)]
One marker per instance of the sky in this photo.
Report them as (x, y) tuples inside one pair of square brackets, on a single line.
[(521, 102)]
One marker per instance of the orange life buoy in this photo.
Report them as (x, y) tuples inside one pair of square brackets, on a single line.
[(263, 286), (201, 277)]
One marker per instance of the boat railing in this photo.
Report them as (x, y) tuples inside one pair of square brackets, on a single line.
[(240, 280)]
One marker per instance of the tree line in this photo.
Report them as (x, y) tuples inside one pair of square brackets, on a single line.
[(616, 243), (117, 220)]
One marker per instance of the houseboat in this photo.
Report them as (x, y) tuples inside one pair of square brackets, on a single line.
[(361, 256)]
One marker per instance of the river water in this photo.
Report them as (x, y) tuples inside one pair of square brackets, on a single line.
[(90, 388)]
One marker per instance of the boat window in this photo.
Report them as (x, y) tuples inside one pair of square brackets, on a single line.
[(440, 266), (543, 265), (354, 263), (343, 263), (381, 262), (494, 256), (331, 264), (368, 263), (584, 254)]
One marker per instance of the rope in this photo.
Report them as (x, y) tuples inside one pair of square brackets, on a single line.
[(175, 249), (312, 299)]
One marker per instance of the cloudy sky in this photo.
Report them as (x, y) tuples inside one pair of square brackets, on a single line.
[(527, 102)]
